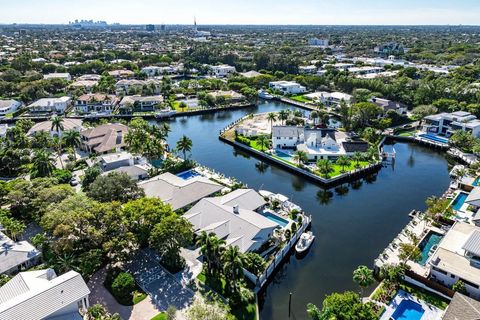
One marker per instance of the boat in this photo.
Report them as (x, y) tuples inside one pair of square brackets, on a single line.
[(164, 114), (305, 242), (265, 193), (264, 94)]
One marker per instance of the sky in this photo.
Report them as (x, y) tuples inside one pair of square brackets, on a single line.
[(316, 12)]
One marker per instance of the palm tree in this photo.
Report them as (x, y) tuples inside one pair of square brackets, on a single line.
[(42, 163), (314, 117), (57, 125), (184, 145), (343, 161), (317, 314), (363, 276), (325, 167), (300, 156), (65, 262), (205, 244), (460, 173), (262, 142), (271, 117), (357, 157), (232, 268), (283, 115), (72, 139)]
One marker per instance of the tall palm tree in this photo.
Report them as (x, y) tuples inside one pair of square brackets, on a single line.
[(263, 142), (300, 156), (325, 167), (57, 125), (343, 161), (42, 163), (72, 139), (271, 117), (357, 157), (283, 115), (184, 145), (218, 248), (232, 268), (363, 276), (314, 117), (205, 244)]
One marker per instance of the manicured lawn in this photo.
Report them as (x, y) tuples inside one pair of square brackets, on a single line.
[(216, 284), (176, 106), (138, 296), (426, 296), (300, 98), (337, 170), (160, 316), (249, 312), (406, 134)]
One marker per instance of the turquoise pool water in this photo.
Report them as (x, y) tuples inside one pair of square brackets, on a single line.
[(280, 221), (427, 243), (476, 182), (187, 174), (459, 201), (434, 138), (283, 156), (408, 310)]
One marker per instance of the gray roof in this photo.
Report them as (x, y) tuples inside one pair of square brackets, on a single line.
[(13, 254), (474, 197), (179, 192), (38, 294), (133, 172), (245, 198), (462, 308), (473, 243), (287, 131)]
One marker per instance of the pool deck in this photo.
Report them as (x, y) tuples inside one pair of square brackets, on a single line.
[(431, 312)]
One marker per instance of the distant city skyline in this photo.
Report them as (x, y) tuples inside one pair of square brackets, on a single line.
[(303, 12)]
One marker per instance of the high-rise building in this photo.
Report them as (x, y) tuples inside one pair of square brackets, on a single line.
[(150, 27)]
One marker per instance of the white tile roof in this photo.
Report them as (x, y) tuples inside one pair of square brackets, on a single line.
[(38, 294), (13, 254)]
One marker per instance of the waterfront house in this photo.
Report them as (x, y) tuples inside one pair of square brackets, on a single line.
[(179, 192), (134, 86), (222, 71), (387, 105), (42, 294), (138, 103), (67, 123), (447, 123), (15, 256), (8, 107), (135, 167), (457, 257), (229, 96), (318, 143), (62, 76), (50, 105), (329, 99), (232, 218), (104, 138), (96, 103), (287, 87)]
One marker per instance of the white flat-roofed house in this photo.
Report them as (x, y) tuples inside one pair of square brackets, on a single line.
[(307, 69), (223, 70), (287, 87), (15, 256), (177, 191), (8, 106), (140, 104), (50, 105), (365, 70), (42, 294), (329, 99), (96, 103), (63, 76), (113, 161), (457, 257), (232, 217), (447, 123)]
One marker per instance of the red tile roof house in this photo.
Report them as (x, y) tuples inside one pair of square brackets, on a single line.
[(105, 138), (97, 102)]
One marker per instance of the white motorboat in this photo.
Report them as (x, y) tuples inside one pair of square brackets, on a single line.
[(304, 242), (264, 94)]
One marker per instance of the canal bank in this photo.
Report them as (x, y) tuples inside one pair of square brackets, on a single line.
[(353, 222)]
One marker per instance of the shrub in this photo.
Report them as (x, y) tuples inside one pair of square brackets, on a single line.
[(122, 288), (62, 176), (243, 140)]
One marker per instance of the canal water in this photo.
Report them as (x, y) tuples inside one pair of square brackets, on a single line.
[(352, 224)]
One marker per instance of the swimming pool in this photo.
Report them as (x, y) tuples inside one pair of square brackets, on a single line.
[(476, 182), (280, 221), (408, 310), (434, 138), (283, 156), (188, 174), (430, 240), (459, 201)]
